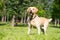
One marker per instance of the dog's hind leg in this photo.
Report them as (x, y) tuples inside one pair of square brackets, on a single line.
[(45, 27), (44, 30)]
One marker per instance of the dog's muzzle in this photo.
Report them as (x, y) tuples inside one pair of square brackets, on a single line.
[(31, 14), (30, 11)]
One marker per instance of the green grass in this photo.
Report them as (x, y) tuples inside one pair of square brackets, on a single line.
[(20, 33)]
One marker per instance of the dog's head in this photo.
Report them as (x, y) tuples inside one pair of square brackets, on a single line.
[(32, 10)]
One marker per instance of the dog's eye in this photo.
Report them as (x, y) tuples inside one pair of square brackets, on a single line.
[(33, 8)]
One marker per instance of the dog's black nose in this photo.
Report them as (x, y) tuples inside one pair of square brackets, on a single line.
[(30, 11)]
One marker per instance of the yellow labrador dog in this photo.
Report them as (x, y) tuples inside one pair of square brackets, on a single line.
[(36, 21)]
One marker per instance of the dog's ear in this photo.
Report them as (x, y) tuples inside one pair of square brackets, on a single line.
[(35, 9), (28, 9)]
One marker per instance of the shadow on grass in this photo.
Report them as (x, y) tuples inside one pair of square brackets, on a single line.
[(2, 24), (20, 25), (32, 33), (55, 26)]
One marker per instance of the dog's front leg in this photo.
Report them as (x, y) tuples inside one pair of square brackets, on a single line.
[(38, 28), (28, 28)]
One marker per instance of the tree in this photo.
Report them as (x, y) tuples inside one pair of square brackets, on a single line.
[(56, 11), (3, 10), (18, 8)]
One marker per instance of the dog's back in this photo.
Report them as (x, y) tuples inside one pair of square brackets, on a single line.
[(44, 20)]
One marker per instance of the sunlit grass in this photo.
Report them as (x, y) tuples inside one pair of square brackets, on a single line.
[(20, 33)]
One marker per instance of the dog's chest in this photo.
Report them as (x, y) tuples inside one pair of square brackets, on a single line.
[(35, 22)]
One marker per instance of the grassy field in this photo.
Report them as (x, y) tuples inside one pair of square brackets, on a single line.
[(20, 33)]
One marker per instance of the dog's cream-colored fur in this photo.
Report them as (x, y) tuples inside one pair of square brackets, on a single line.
[(32, 8), (37, 21)]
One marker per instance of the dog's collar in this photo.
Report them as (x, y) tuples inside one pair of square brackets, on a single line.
[(34, 17)]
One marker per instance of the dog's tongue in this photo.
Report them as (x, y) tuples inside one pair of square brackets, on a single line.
[(31, 14)]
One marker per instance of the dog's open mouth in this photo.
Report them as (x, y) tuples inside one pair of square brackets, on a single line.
[(31, 14)]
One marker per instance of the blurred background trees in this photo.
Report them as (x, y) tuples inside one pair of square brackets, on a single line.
[(56, 12), (47, 8)]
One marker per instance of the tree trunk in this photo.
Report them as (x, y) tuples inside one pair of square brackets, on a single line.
[(13, 21), (22, 20), (55, 22), (4, 14), (16, 21), (58, 23), (5, 19), (25, 18), (2, 18)]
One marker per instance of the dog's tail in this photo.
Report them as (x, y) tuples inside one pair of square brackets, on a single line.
[(50, 19)]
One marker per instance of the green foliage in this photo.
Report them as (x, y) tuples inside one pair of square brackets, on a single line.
[(56, 9), (1, 4), (18, 7), (41, 13), (1, 7)]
